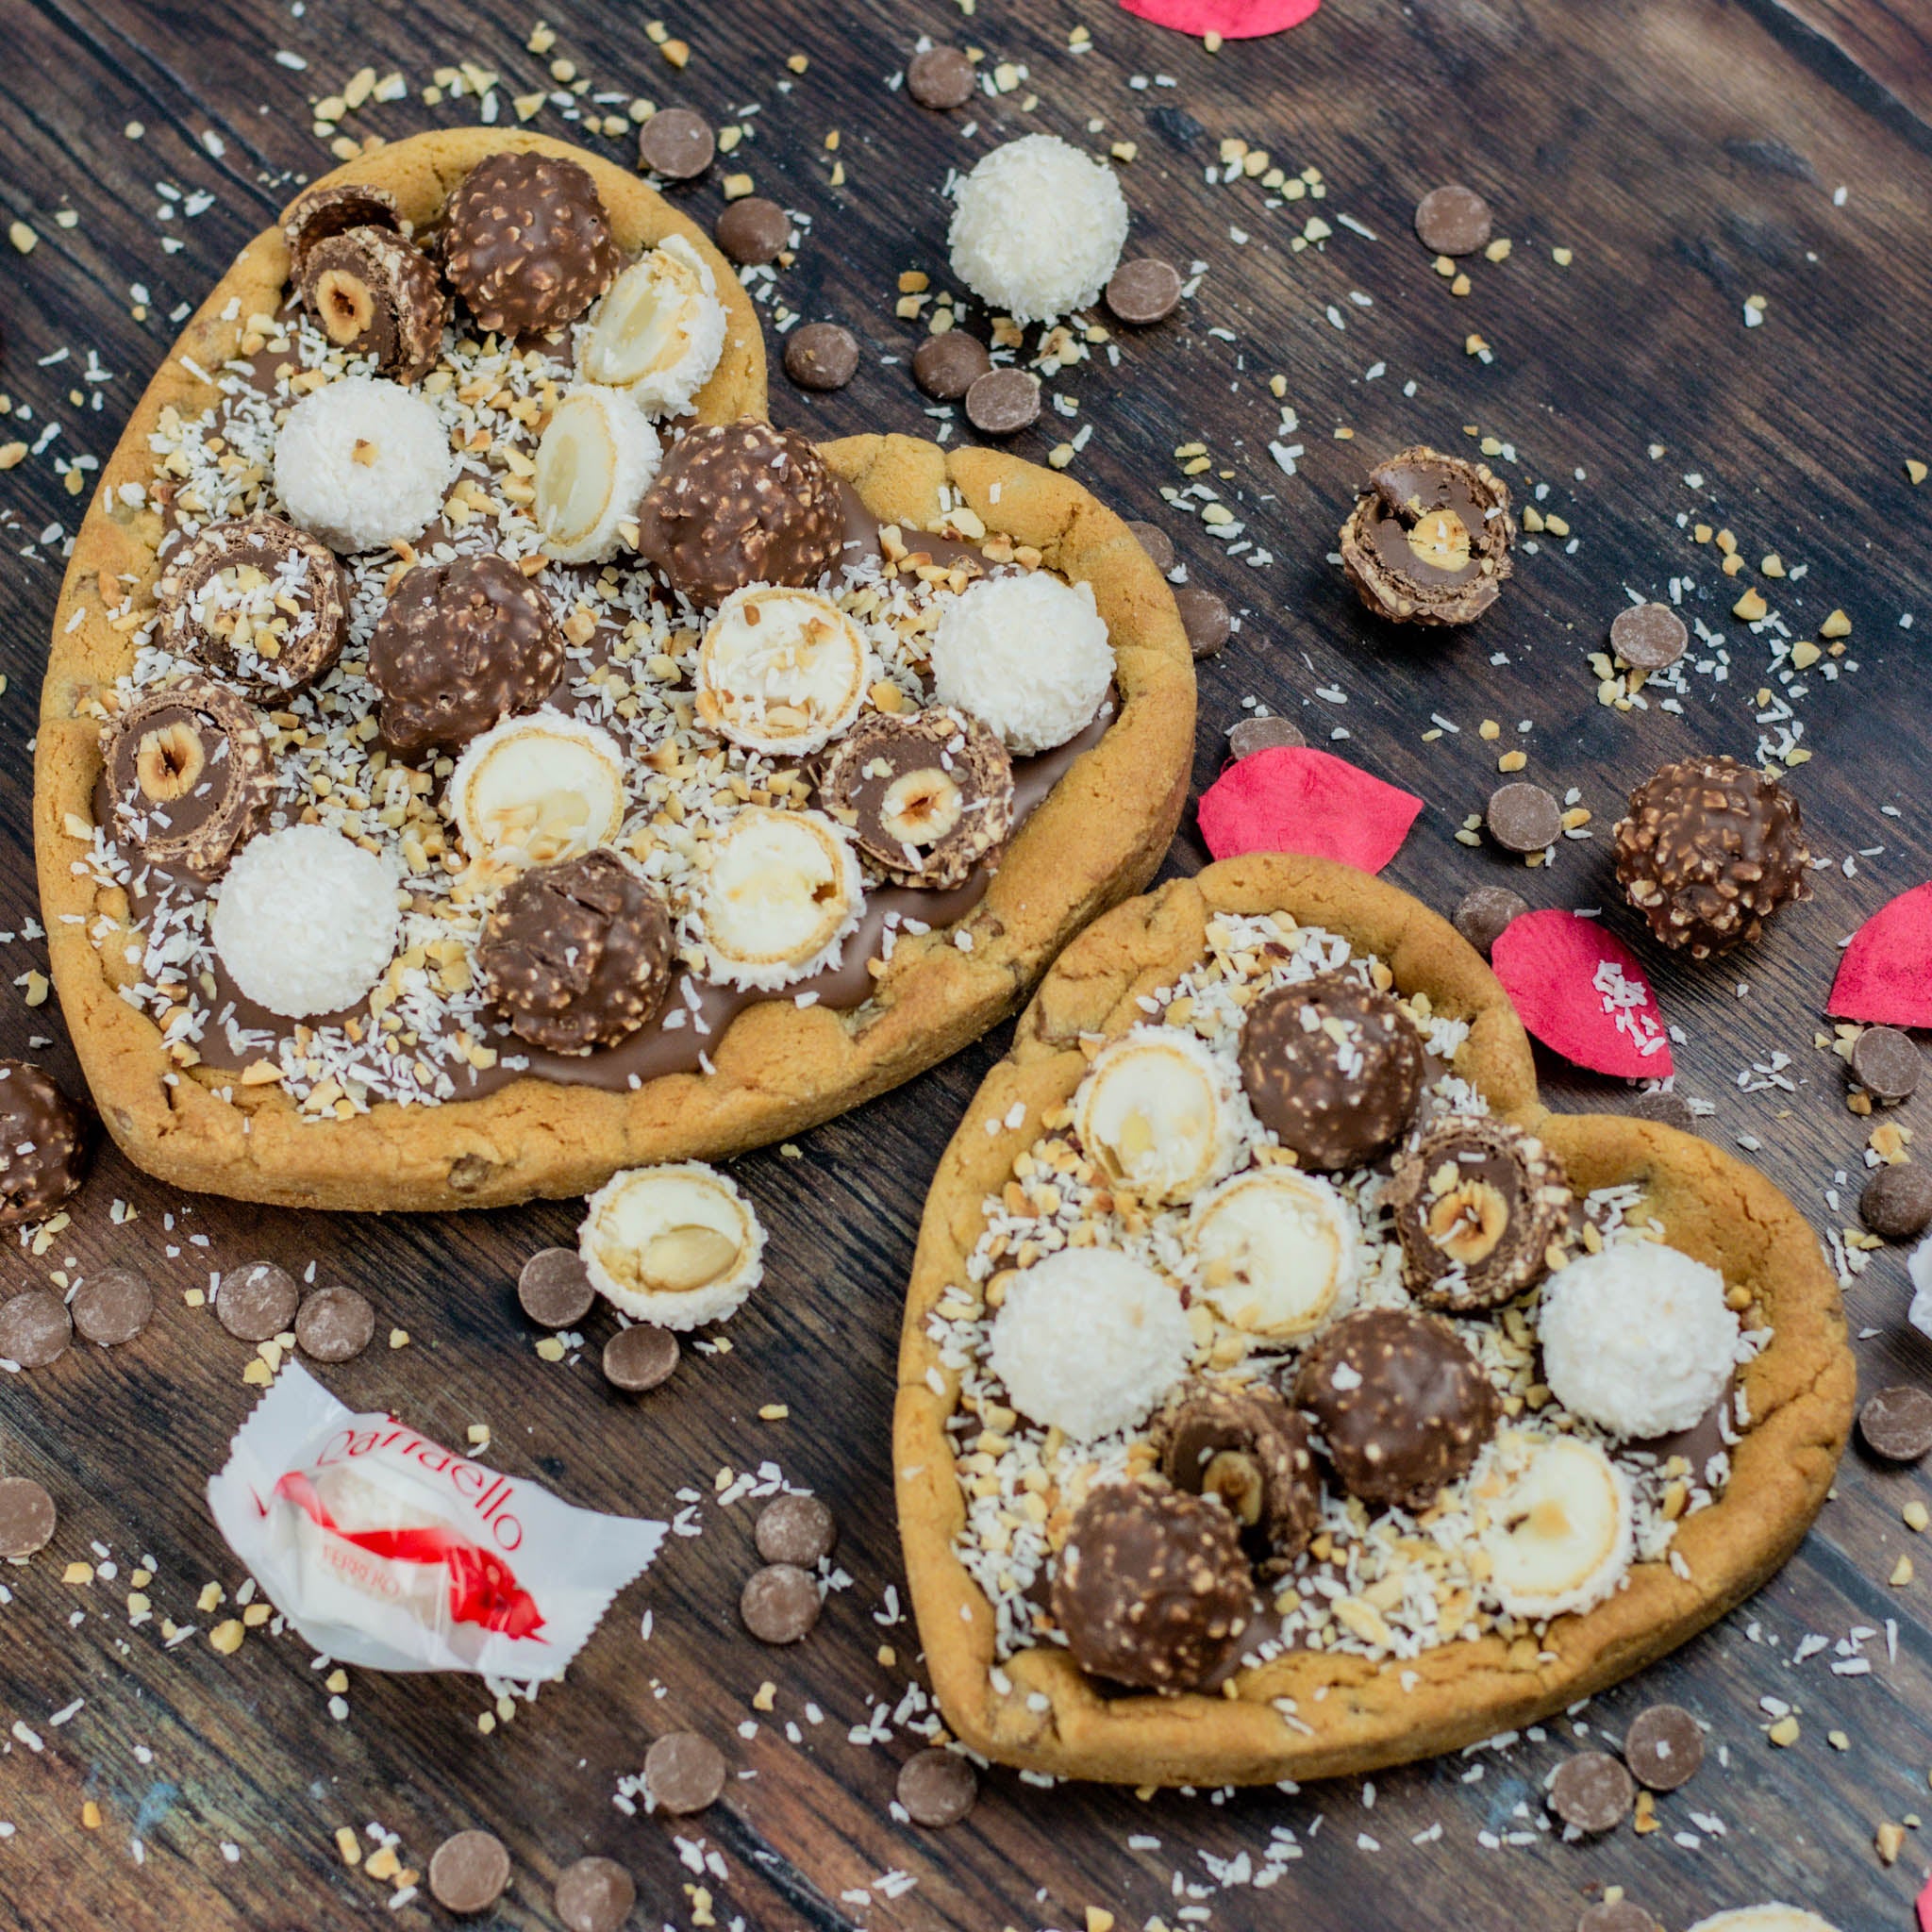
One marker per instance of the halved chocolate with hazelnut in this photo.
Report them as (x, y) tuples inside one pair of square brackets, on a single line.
[(375, 294), (1478, 1207), (330, 209), (259, 601), (1248, 1447), (191, 774), (1428, 540), (926, 796)]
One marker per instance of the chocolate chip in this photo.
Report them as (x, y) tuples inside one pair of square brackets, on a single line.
[(1885, 1062), (113, 1306), (677, 143), (1592, 1792), (937, 1787), (1897, 1201), (780, 1604), (753, 231), (1154, 541), (822, 356), (34, 1329), (1524, 817), (1251, 735), (595, 1894), (1664, 1746), (1896, 1423), (1452, 219), (468, 1872), (684, 1772), (946, 366), (257, 1301), (939, 78), (335, 1324), (1672, 1110), (1482, 914), (1002, 402), (26, 1516), (1144, 291), (555, 1288), (796, 1530), (1205, 618), (1649, 637), (1616, 1915), (639, 1358)]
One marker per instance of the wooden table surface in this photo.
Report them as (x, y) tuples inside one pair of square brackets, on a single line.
[(1690, 153)]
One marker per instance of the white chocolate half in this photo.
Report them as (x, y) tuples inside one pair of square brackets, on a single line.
[(673, 1246), (1276, 1251), (598, 456), (659, 331), (537, 789), (781, 891), (1160, 1114), (781, 671), (1555, 1517)]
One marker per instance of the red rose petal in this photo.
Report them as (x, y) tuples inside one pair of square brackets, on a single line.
[(1925, 1907), (1233, 20), (1580, 991), (1296, 799), (1886, 975)]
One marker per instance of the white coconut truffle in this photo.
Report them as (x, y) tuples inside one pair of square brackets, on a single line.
[(1555, 1517), (781, 891), (660, 331), (306, 921), (1027, 655), (595, 460), (363, 462), (536, 790), (674, 1245), (781, 670), (1161, 1114), (1037, 228), (1089, 1341), (1771, 1918), (1636, 1339), (1276, 1250)]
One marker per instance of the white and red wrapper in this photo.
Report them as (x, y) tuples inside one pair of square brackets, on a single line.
[(387, 1550)]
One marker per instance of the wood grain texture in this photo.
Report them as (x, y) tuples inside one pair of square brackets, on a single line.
[(1687, 151)]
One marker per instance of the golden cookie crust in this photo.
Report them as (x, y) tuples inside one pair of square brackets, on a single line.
[(780, 1069), (1354, 1714)]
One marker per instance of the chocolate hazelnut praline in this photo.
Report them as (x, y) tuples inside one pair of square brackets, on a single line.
[(577, 954), (1248, 1447), (1335, 1103), (46, 1144), (331, 209), (527, 243), (1410, 1412), (1151, 1588), (460, 647), (375, 294), (1428, 540)]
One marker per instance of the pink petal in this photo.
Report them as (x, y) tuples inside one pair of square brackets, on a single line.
[(1296, 799), (1886, 975), (1233, 20), (1580, 991)]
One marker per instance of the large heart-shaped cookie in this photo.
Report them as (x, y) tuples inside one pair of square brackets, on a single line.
[(984, 1503), (239, 1109)]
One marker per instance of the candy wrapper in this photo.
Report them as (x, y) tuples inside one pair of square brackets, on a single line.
[(387, 1550)]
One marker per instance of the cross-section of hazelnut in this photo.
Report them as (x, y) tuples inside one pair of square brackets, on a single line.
[(169, 760), (1467, 1218)]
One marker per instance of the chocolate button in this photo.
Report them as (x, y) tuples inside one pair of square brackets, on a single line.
[(1592, 1792), (1263, 734), (1152, 539), (335, 1324), (780, 1604), (1452, 219), (1672, 1110), (1524, 818), (822, 356), (468, 1872), (946, 366), (1144, 291), (34, 1329), (595, 1894), (1484, 912), (1616, 1915), (257, 1301), (1897, 1201), (1896, 1423), (937, 1787), (1664, 1746), (677, 143), (1205, 618), (1002, 402), (939, 78), (1885, 1062), (113, 1306), (639, 1358), (684, 1772), (554, 1288), (796, 1530), (1649, 637), (26, 1517), (753, 231)]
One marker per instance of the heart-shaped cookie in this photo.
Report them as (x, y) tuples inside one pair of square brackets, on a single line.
[(1245, 1615)]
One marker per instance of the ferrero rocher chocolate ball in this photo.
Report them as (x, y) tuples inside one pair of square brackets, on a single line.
[(579, 954), (1428, 540), (46, 1143), (1151, 1588), (1248, 1447), (527, 243), (376, 294), (740, 504), (1709, 851)]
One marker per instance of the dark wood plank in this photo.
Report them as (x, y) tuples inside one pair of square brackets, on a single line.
[(1688, 155)]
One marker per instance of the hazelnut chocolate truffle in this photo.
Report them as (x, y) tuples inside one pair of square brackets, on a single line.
[(1477, 1206), (926, 797), (1151, 1588), (739, 504), (460, 647), (1248, 1447), (1333, 1069), (190, 773), (1556, 1520), (1401, 1404), (578, 955), (258, 602), (526, 244), (1428, 540), (47, 1144), (375, 294), (318, 213), (1710, 850)]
